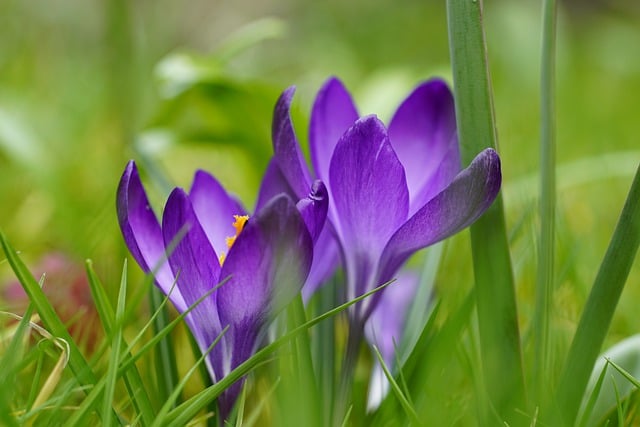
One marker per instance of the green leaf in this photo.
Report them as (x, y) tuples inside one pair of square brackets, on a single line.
[(116, 341), (494, 284), (545, 278), (187, 410), (133, 381), (600, 306), (81, 369), (625, 357), (404, 402)]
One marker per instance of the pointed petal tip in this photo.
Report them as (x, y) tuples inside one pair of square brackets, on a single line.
[(369, 123), (129, 183), (313, 209), (131, 166), (333, 83), (285, 98), (286, 148), (175, 202), (129, 170), (202, 178), (318, 191), (489, 160)]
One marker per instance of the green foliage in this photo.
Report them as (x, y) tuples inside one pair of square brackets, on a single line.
[(85, 88), (495, 289)]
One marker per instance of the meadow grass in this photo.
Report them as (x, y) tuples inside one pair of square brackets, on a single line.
[(524, 320)]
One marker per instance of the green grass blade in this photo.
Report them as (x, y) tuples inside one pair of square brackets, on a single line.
[(50, 319), (619, 409), (546, 250), (324, 348), (593, 398), (624, 373), (404, 402), (165, 360), (133, 381), (128, 363), (13, 354), (495, 293), (116, 341), (190, 408), (431, 354), (176, 393), (299, 397), (600, 306)]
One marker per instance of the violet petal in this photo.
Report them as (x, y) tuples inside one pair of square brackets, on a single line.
[(142, 233), (196, 266), (266, 266), (273, 183), (286, 148), (467, 197), (326, 259), (369, 196), (333, 113), (215, 209), (313, 208), (423, 135)]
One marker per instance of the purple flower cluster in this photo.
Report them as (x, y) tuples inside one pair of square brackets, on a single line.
[(373, 197)]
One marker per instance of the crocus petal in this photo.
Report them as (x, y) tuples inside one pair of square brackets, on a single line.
[(456, 207), (286, 148), (313, 208), (214, 208), (326, 260), (196, 266), (369, 195), (274, 243), (423, 135), (266, 266), (273, 183), (142, 233), (333, 113)]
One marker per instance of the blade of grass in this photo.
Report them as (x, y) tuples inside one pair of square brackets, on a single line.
[(133, 381), (165, 358), (600, 306), (324, 348), (619, 410), (624, 373), (435, 349), (305, 372), (188, 409), (128, 362), (545, 277), (116, 341), (588, 410), (422, 305), (8, 369), (495, 293), (174, 395), (50, 319), (408, 410), (241, 403)]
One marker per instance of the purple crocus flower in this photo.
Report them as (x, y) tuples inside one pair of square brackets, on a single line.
[(266, 259), (392, 190)]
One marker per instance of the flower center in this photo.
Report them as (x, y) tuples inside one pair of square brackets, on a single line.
[(238, 224)]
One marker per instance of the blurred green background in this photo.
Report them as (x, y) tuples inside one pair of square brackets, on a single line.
[(87, 85)]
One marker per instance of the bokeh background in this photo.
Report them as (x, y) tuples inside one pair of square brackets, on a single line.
[(180, 85)]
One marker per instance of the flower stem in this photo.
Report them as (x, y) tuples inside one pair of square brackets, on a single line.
[(494, 283), (544, 284)]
